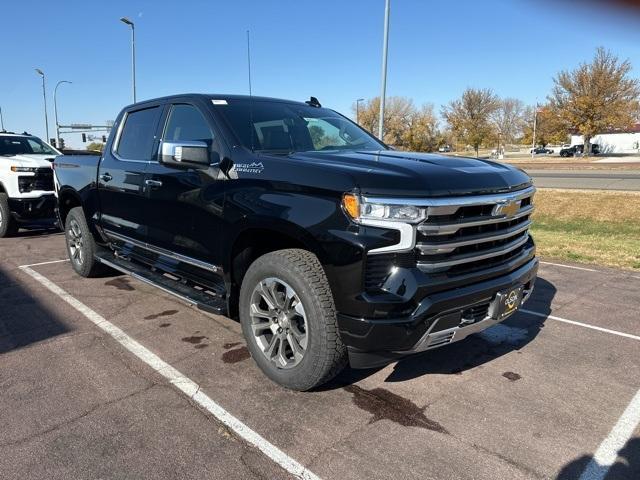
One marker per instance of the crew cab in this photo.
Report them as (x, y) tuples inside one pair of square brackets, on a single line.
[(27, 196), (329, 246)]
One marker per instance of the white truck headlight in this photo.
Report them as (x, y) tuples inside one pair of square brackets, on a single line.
[(23, 169)]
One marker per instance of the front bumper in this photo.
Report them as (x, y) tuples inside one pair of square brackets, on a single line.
[(438, 320), (29, 210)]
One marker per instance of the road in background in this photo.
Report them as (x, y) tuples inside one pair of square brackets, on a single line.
[(590, 179)]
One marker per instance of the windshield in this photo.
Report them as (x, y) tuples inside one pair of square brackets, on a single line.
[(14, 145), (280, 127)]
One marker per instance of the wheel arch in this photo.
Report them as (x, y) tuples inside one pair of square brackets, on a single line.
[(252, 242), (67, 199)]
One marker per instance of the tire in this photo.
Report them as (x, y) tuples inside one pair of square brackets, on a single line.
[(294, 282), (81, 246), (8, 224)]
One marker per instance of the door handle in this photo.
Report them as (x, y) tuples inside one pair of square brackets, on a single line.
[(105, 177), (153, 183)]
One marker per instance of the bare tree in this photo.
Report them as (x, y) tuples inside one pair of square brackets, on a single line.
[(509, 120), (596, 96), (470, 116)]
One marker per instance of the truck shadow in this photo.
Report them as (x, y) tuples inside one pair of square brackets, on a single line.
[(476, 350), (24, 319), (626, 467)]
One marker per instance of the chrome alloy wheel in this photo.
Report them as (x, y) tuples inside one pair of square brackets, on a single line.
[(75, 242), (278, 322)]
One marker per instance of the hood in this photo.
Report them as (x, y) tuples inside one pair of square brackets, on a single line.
[(391, 172), (31, 160)]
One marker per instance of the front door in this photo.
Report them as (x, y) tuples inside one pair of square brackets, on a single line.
[(184, 204), (122, 173)]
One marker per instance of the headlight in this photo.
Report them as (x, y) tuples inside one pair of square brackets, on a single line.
[(23, 169), (360, 211)]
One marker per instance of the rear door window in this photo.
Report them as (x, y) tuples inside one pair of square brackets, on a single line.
[(137, 137)]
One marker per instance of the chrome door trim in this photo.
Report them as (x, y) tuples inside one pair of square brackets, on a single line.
[(164, 252)]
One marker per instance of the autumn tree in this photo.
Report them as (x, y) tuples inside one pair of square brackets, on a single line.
[(405, 126), (95, 146), (509, 120), (596, 96), (549, 127), (422, 134), (470, 116)]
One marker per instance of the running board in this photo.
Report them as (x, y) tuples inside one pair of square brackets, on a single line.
[(209, 302)]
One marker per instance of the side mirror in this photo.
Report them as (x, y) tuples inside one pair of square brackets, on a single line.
[(192, 154)]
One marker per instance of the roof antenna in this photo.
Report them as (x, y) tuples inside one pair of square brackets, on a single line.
[(251, 129)]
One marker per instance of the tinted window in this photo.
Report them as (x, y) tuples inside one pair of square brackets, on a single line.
[(282, 127), (20, 145), (187, 123), (136, 139)]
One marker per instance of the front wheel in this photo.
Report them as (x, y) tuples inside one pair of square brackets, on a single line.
[(289, 321), (8, 224)]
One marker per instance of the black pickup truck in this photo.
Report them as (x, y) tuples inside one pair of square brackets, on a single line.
[(329, 246)]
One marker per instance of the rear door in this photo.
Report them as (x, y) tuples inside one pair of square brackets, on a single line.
[(122, 171), (184, 204)]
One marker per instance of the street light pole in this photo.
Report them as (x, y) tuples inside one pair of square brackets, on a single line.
[(126, 21), (358, 109), (55, 109), (535, 121), (385, 46), (1, 120), (44, 96)]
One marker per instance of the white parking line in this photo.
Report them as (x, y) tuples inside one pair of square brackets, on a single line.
[(570, 266), (607, 453), (180, 381), (45, 263), (580, 324)]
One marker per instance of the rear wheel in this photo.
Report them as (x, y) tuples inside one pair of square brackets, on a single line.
[(8, 225), (81, 246), (289, 321)]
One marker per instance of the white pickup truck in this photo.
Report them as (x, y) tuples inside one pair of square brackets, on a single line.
[(27, 196)]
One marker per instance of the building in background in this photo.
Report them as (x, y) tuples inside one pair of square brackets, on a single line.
[(627, 141)]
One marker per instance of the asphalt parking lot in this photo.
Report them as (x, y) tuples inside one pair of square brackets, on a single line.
[(89, 389)]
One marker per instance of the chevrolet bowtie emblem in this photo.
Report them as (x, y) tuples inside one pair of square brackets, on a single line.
[(508, 208)]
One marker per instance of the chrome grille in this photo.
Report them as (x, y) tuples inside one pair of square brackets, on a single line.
[(466, 232)]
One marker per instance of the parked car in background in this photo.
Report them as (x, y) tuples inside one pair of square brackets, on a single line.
[(27, 195), (541, 151), (444, 149), (328, 245), (579, 149)]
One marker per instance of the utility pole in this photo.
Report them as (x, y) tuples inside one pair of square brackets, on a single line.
[(385, 47), (55, 108), (1, 120), (126, 21), (358, 109), (44, 95)]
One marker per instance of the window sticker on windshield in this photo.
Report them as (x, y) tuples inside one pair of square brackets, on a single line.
[(218, 102)]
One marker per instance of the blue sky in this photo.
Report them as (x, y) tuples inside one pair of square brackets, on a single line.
[(330, 49)]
